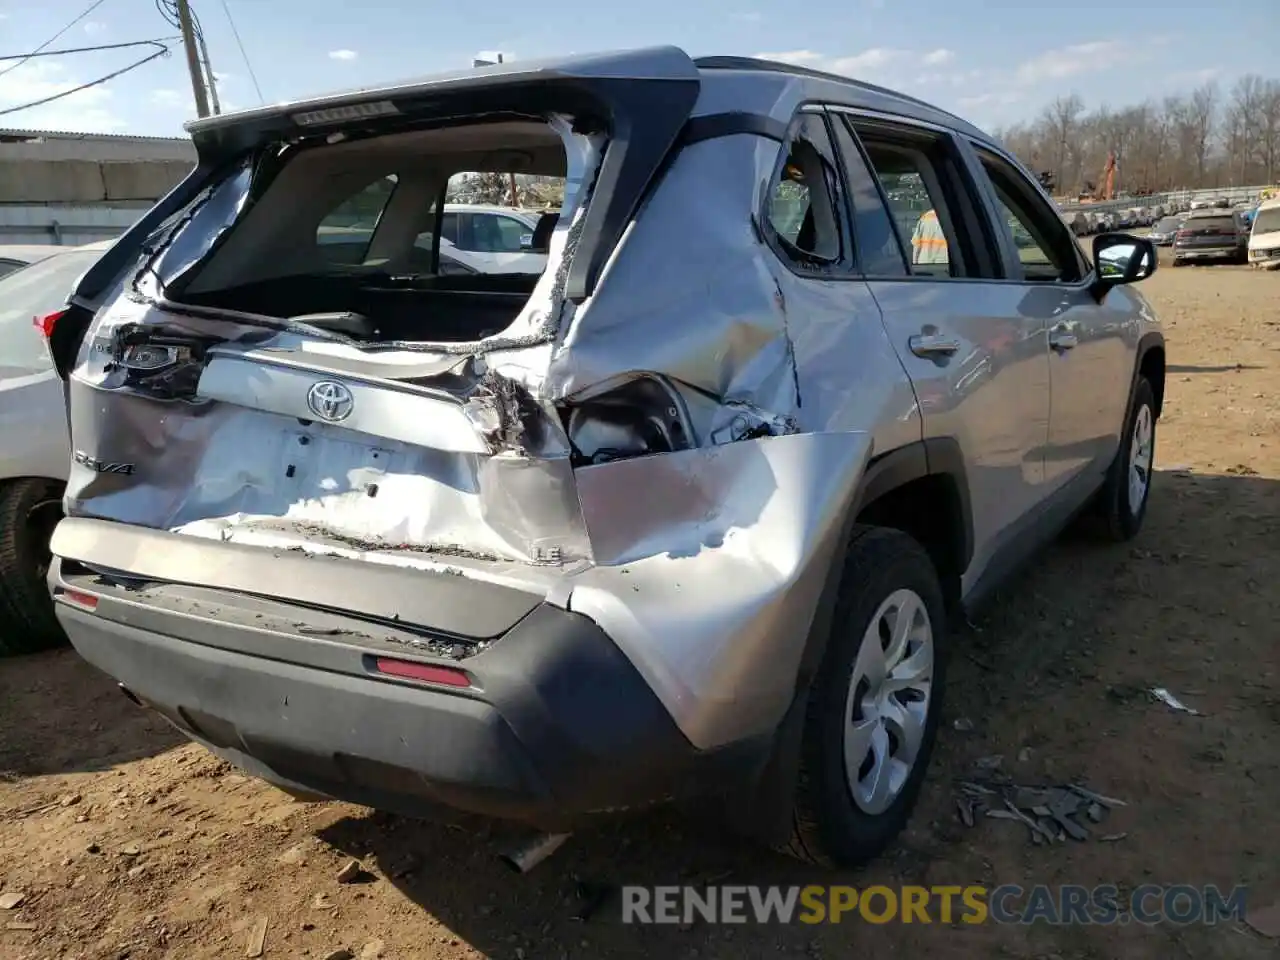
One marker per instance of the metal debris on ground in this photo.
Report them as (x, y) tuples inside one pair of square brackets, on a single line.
[(257, 938), (1051, 814), (12, 900), (351, 872), (1167, 698)]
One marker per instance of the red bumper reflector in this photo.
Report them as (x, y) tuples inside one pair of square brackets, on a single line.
[(423, 672), (85, 601)]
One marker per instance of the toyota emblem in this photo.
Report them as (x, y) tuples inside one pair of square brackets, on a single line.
[(330, 400)]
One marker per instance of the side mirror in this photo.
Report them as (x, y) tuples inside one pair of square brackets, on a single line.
[(526, 241), (1120, 258)]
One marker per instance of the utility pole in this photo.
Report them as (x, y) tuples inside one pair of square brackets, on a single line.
[(208, 72), (193, 58)]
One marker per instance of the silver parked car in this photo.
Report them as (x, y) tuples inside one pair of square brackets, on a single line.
[(16, 256), (690, 511), (34, 456)]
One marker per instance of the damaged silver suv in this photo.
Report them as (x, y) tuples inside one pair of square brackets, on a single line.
[(811, 367)]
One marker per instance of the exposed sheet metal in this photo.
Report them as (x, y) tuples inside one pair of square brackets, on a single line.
[(709, 567)]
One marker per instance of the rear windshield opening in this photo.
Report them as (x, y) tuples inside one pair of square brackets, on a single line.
[(433, 235)]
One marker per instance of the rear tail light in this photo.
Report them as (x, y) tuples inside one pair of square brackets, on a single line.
[(1182, 234), (46, 324)]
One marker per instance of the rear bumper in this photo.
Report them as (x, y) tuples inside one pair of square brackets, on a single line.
[(555, 728), (1206, 253)]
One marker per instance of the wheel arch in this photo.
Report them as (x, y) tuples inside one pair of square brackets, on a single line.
[(1150, 363), (922, 490)]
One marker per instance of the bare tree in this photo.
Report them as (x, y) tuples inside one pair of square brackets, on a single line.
[(1187, 141), (1197, 115), (1242, 123), (1269, 131), (1061, 119)]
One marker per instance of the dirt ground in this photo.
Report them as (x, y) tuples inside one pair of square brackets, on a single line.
[(124, 840)]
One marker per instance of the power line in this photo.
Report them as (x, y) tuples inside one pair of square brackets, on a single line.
[(245, 56), (92, 7), (169, 11), (162, 52), (93, 49)]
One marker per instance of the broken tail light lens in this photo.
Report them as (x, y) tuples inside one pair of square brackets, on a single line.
[(46, 323), (165, 367)]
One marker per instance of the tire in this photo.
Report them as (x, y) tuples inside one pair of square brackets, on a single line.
[(831, 826), (1119, 517), (29, 509)]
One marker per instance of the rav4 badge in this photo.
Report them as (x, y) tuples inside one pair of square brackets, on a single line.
[(101, 466)]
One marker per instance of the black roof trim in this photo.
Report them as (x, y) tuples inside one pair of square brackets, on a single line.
[(777, 66)]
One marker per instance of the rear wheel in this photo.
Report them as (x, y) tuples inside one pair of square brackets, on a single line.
[(873, 710), (29, 510)]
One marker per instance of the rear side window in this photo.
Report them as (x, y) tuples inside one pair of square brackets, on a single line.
[(912, 169), (804, 199), (878, 249), (345, 233)]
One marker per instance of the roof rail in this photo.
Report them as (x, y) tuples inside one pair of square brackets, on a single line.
[(776, 66)]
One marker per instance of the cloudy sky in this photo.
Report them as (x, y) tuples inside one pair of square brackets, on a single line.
[(992, 61)]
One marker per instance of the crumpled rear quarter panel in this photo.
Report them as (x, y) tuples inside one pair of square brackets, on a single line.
[(709, 568)]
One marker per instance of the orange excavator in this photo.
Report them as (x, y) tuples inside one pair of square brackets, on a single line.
[(1107, 183), (1108, 190)]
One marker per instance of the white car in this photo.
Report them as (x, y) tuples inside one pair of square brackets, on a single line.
[(474, 238), (35, 456), (1264, 235), (16, 256), (491, 239)]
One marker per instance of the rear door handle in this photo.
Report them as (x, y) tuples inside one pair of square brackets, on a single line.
[(932, 345), (1062, 340)]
